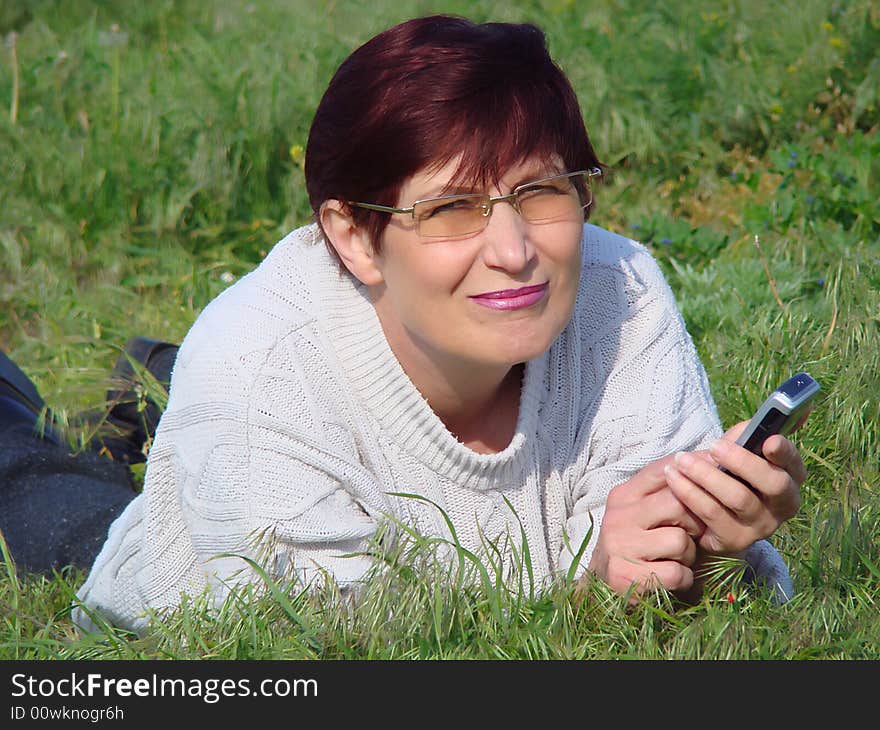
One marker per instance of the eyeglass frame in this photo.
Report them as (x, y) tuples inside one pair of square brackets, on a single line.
[(511, 197)]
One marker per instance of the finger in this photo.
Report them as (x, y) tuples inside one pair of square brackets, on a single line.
[(728, 489), (663, 508), (723, 531), (673, 576), (783, 453), (703, 454), (699, 500), (638, 578), (660, 543), (762, 475), (669, 543)]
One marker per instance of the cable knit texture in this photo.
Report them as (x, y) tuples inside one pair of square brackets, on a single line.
[(290, 422)]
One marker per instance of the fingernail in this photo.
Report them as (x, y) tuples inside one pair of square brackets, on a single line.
[(719, 447), (682, 458)]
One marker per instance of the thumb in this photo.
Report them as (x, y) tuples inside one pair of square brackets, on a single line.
[(653, 476), (649, 479)]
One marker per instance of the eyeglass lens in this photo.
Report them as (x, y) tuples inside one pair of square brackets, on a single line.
[(546, 201)]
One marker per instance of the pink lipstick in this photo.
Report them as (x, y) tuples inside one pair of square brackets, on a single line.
[(512, 298)]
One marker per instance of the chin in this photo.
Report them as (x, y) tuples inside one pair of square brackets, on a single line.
[(512, 353), (512, 342)]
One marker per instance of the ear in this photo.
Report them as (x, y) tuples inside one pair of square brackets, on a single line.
[(351, 242)]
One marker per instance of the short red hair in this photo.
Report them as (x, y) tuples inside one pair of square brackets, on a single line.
[(429, 89)]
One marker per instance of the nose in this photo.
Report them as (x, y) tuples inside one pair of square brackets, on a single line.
[(507, 244)]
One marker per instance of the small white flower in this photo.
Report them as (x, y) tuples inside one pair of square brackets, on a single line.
[(114, 38)]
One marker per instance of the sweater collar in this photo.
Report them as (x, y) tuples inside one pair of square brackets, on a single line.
[(383, 388)]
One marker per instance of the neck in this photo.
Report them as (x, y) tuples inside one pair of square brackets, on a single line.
[(469, 399), (478, 403), (489, 428)]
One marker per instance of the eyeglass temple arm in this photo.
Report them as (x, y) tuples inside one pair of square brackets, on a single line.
[(382, 208)]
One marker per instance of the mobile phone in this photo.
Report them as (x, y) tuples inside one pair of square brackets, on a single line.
[(780, 413)]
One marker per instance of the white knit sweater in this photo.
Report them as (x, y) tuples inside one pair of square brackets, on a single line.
[(290, 416)]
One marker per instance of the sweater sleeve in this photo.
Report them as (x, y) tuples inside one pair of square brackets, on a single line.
[(245, 464), (654, 399)]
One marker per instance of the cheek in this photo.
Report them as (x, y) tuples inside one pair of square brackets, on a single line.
[(564, 251), (421, 288), (566, 256), (426, 273), (570, 243)]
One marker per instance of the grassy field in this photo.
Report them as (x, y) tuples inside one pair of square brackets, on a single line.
[(153, 153)]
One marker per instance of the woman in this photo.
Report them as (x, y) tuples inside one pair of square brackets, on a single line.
[(450, 326)]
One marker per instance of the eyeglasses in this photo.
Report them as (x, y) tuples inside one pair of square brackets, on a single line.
[(549, 200)]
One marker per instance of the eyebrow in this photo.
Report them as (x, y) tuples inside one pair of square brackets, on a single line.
[(547, 171), (539, 172)]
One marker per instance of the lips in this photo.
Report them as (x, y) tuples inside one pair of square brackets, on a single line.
[(508, 293), (512, 298)]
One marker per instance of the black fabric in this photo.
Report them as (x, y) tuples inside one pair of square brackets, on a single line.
[(139, 421), (13, 411), (56, 507), (15, 383)]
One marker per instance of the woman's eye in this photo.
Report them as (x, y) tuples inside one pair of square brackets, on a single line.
[(535, 190), (449, 206)]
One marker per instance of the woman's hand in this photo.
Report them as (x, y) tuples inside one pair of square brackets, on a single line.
[(734, 514), (647, 535)]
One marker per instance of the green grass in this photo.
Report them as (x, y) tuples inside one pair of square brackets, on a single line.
[(151, 156)]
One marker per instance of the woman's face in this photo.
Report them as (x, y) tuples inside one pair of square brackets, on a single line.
[(494, 299)]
